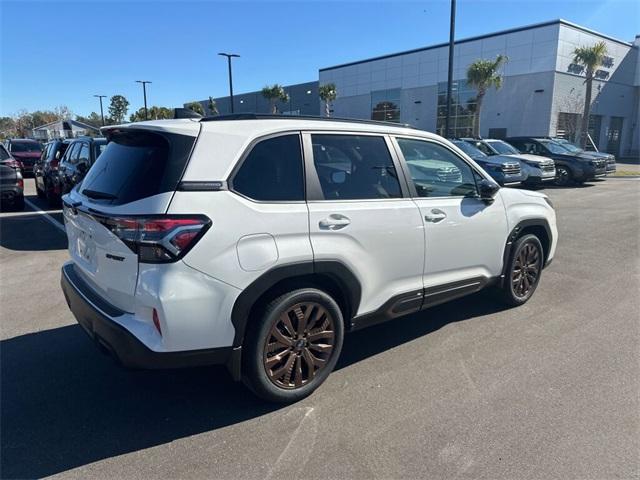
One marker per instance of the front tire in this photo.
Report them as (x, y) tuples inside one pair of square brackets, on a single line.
[(524, 270), (294, 347), (563, 176)]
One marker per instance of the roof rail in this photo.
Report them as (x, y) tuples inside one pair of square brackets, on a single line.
[(274, 116)]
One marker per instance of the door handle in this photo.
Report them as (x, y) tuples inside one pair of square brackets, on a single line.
[(335, 221), (436, 215)]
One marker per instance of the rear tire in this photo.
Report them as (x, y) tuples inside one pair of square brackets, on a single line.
[(18, 203), (39, 192), (52, 199), (294, 347), (523, 272)]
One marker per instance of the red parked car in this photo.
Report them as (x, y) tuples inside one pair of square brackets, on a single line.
[(25, 151)]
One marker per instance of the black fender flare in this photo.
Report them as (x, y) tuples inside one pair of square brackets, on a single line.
[(337, 271), (513, 236)]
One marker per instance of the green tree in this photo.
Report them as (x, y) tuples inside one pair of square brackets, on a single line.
[(591, 58), (275, 93), (7, 127), (196, 107), (483, 74), (94, 119), (213, 107), (328, 94), (118, 107)]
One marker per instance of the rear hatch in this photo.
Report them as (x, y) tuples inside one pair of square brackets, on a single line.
[(125, 194)]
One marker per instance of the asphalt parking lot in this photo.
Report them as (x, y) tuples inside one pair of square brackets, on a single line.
[(467, 389)]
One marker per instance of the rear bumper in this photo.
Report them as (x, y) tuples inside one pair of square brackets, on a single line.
[(9, 194), (96, 318)]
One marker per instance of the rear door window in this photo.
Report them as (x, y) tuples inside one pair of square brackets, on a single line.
[(137, 164), (72, 150), (272, 172)]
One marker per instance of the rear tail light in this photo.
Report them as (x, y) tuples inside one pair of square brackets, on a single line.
[(12, 163), (21, 183), (158, 239)]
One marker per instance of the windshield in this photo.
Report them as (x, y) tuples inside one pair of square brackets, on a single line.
[(25, 147), (503, 148), (469, 149), (554, 147), (568, 145)]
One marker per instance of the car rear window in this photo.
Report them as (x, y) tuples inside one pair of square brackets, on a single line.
[(136, 165), (25, 147)]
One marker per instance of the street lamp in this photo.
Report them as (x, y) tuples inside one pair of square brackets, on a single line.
[(452, 29), (101, 111), (229, 57), (144, 92)]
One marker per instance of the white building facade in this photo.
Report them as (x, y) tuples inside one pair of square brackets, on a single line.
[(542, 92)]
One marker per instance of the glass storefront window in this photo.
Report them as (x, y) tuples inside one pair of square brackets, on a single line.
[(463, 106), (385, 105)]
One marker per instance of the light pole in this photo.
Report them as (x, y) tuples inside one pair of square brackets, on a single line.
[(144, 92), (452, 29), (229, 57), (101, 111)]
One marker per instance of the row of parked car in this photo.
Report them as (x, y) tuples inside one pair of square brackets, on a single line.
[(528, 161), (56, 166), (532, 161)]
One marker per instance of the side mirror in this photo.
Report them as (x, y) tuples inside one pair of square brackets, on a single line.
[(487, 190), (338, 177)]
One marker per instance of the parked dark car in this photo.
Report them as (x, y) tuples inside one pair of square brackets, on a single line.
[(609, 158), (26, 151), (539, 169), (570, 167), (504, 170), (45, 170), (7, 159), (11, 187), (76, 162)]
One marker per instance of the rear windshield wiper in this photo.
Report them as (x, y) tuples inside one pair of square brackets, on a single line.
[(98, 195)]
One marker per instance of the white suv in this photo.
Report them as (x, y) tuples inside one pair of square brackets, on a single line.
[(258, 241)]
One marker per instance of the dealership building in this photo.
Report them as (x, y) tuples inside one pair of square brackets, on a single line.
[(542, 92)]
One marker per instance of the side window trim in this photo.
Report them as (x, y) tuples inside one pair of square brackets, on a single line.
[(312, 182), (247, 151), (405, 166)]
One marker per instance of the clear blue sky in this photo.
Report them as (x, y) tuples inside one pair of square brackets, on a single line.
[(61, 53)]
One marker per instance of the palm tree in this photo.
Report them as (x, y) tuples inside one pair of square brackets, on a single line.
[(213, 106), (275, 93), (483, 74), (196, 107), (591, 58), (328, 94)]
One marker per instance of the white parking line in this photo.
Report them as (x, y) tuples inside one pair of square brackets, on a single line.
[(46, 216)]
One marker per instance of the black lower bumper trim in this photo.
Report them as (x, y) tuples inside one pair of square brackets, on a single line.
[(122, 344)]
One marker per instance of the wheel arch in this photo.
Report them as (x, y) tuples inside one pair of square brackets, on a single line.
[(536, 226), (331, 276)]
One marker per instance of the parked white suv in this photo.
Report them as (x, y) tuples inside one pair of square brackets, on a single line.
[(256, 242)]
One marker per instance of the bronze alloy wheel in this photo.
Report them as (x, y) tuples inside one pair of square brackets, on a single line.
[(526, 269), (299, 344)]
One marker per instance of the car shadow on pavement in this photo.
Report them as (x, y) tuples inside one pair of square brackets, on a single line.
[(64, 405), (29, 231), (42, 204)]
